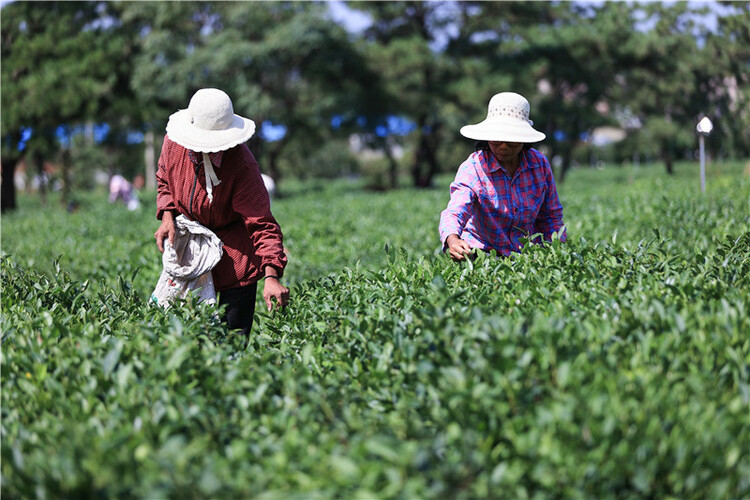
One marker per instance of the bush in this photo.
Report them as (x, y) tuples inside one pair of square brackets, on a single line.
[(614, 365)]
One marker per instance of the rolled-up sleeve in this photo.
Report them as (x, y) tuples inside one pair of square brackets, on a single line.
[(252, 203), (454, 217), (550, 217), (164, 199)]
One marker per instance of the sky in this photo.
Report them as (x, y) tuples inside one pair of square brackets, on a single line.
[(355, 21), (352, 20)]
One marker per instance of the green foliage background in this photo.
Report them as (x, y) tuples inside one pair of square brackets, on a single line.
[(614, 365), (652, 70)]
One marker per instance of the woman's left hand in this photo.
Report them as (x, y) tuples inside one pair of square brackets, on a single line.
[(273, 289)]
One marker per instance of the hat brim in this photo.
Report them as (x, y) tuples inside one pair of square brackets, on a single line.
[(187, 135), (494, 129)]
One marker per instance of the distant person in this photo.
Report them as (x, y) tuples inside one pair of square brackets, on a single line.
[(207, 173), (504, 190), (270, 185), (139, 181), (121, 189)]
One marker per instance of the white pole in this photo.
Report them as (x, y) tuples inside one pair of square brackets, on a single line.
[(703, 163), (704, 128)]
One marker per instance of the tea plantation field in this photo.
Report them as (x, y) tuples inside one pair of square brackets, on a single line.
[(616, 365)]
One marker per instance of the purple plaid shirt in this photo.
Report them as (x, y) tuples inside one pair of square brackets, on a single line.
[(491, 211)]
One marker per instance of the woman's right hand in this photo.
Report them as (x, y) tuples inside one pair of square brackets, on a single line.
[(457, 248), (166, 230)]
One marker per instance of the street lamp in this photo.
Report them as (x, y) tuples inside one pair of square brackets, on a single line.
[(704, 128)]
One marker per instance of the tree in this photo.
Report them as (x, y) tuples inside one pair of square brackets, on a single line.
[(727, 82), (578, 57), (561, 56), (403, 46), (61, 66), (282, 63), (310, 73), (588, 65), (129, 65), (665, 79)]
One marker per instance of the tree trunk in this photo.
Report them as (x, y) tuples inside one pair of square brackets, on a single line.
[(43, 178), (567, 157), (67, 177), (426, 154), (666, 156), (416, 174), (273, 164), (567, 149), (392, 166), (8, 195), (256, 144), (10, 158), (432, 158)]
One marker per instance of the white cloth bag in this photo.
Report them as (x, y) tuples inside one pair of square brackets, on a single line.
[(187, 265)]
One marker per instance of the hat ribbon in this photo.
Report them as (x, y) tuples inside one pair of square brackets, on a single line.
[(211, 178)]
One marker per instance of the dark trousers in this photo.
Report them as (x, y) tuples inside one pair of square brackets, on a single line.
[(240, 307)]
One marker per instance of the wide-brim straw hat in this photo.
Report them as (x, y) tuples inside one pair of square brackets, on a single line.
[(507, 120), (209, 124)]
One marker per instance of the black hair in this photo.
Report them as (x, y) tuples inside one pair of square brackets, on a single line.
[(485, 146)]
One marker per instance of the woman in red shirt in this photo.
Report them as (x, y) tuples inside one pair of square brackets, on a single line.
[(207, 173)]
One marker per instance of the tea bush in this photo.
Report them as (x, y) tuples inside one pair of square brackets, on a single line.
[(614, 365)]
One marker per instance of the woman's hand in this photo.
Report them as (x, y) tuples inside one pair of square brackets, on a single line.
[(166, 230), (458, 248), (273, 289)]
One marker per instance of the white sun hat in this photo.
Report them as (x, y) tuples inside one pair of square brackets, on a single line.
[(507, 120), (209, 124)]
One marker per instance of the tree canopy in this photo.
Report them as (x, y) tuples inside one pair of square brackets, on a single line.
[(651, 69)]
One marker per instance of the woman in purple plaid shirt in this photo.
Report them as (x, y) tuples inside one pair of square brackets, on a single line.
[(505, 190)]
